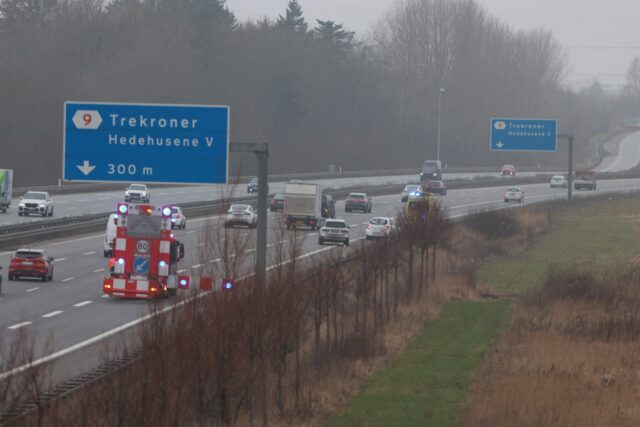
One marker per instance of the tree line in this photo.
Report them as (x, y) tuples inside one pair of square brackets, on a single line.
[(314, 91)]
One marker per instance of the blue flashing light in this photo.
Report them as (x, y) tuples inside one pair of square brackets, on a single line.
[(123, 209), (228, 285), (183, 282), (121, 261), (163, 264), (166, 211)]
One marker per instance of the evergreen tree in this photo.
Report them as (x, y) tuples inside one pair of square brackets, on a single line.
[(293, 20), (334, 35)]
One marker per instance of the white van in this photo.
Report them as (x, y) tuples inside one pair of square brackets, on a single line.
[(110, 234)]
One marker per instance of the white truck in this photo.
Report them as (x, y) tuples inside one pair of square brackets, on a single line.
[(6, 187), (302, 203)]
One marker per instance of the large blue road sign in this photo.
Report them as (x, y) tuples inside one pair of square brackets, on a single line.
[(523, 135), (146, 143)]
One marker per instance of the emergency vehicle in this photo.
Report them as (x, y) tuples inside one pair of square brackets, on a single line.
[(145, 254)]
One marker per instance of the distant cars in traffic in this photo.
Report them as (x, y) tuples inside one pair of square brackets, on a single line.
[(277, 203), (137, 193), (328, 206), (514, 194), (34, 263), (559, 181), (334, 230), (508, 170), (239, 214), (380, 227), (178, 218), (410, 189), (358, 202), (252, 186), (36, 202), (585, 180), (435, 187)]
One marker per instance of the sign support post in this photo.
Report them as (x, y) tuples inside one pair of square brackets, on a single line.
[(261, 151), (569, 137)]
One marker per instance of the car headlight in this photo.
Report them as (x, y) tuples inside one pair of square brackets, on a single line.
[(21, 204), (42, 206)]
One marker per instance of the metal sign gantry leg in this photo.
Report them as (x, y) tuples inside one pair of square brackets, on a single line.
[(261, 151)]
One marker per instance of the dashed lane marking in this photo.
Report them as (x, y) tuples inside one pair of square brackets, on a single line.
[(83, 303), (68, 279), (32, 289), (19, 325), (53, 313)]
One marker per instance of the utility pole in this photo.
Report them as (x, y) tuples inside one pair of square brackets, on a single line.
[(440, 92)]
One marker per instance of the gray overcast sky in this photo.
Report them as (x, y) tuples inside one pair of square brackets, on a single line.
[(581, 25)]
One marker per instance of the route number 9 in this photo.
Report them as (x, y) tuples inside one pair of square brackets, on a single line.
[(87, 119)]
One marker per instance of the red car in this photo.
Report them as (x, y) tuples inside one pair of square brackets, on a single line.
[(508, 170), (31, 263), (435, 187)]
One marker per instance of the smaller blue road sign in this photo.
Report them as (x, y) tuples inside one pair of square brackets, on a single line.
[(523, 134)]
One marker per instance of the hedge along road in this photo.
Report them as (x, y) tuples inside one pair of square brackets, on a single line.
[(71, 309)]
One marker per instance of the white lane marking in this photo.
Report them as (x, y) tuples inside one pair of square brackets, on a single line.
[(215, 260), (89, 253), (62, 203), (53, 313), (105, 296), (249, 250), (59, 259), (103, 198), (191, 232), (99, 270), (196, 266), (83, 303), (83, 200), (181, 271), (19, 325), (68, 279), (201, 245), (32, 289)]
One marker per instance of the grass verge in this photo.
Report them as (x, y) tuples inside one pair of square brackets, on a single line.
[(428, 383)]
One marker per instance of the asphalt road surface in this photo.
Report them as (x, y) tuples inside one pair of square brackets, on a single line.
[(71, 309)]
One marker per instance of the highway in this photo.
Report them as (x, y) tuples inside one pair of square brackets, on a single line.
[(72, 309), (69, 205)]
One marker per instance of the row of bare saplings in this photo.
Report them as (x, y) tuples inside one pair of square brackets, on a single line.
[(254, 355)]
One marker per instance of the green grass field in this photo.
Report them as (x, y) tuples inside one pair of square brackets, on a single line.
[(427, 384), (598, 236)]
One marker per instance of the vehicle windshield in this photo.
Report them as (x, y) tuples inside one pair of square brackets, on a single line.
[(584, 176), (254, 181), (35, 196), (279, 197), (513, 190), (356, 196), (137, 187), (175, 210), (435, 183), (429, 167), (335, 224), (558, 178), (378, 221), (412, 187), (28, 254), (237, 208)]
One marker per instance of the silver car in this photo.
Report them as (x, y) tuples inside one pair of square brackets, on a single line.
[(36, 202), (334, 230), (408, 190), (559, 181), (241, 215), (380, 227), (137, 193)]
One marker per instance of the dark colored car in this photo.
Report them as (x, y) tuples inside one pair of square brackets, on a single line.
[(31, 263), (277, 203), (358, 202), (252, 186), (328, 206), (436, 187)]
